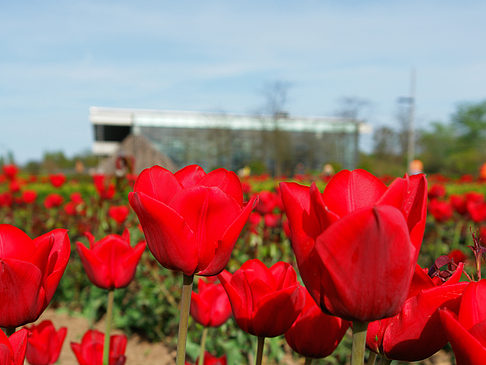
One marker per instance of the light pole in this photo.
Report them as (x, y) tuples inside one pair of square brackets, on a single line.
[(410, 101)]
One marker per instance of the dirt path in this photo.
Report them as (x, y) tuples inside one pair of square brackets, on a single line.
[(138, 352)]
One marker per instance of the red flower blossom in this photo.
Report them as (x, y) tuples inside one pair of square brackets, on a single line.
[(211, 360), (467, 331), (302, 338), (477, 211), (29, 196), (436, 191), (459, 203), (191, 219), (53, 200), (265, 301), (44, 343), (210, 307), (111, 262), (90, 350), (356, 231), (57, 180), (457, 256), (105, 188), (12, 349), (416, 333), (10, 171), (440, 210), (30, 272), (118, 213)]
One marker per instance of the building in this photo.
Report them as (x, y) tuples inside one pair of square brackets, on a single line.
[(281, 143)]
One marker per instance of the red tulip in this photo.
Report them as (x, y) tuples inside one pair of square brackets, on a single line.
[(457, 256), (440, 210), (118, 213), (53, 200), (210, 307), (302, 338), (437, 191), (213, 360), (356, 244), (57, 180), (44, 343), (29, 196), (10, 171), (416, 332), (467, 331), (459, 203), (265, 301), (76, 198), (477, 211), (90, 350), (111, 262), (105, 188), (6, 199), (12, 349), (267, 202), (30, 271), (191, 219)]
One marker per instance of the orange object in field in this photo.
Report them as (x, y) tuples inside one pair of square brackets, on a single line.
[(416, 167), (482, 172)]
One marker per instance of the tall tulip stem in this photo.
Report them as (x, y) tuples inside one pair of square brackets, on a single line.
[(259, 356), (385, 361), (308, 361), (184, 319), (372, 358), (109, 317), (359, 342), (203, 346)]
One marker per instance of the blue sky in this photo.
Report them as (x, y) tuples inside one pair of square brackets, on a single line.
[(58, 58)]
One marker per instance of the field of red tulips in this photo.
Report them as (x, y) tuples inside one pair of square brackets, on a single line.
[(253, 270)]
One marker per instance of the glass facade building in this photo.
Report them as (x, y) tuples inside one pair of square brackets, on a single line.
[(232, 141)]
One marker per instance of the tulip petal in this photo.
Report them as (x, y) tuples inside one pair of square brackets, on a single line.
[(208, 212), (472, 309), (190, 176), (349, 191), (226, 244), (225, 180), (467, 349), (95, 267), (416, 333), (23, 248), (20, 283), (269, 322), (169, 238), (158, 183), (124, 271), (375, 243), (18, 340)]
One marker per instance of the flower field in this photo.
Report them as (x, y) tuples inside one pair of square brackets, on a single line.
[(304, 267)]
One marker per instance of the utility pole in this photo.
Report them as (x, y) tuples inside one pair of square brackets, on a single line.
[(410, 101), (411, 117)]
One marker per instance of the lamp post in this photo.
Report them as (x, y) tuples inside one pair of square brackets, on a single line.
[(410, 101)]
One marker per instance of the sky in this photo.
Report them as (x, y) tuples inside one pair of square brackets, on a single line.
[(58, 58)]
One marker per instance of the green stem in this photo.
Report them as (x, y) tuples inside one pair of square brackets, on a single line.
[(372, 358), (457, 235), (109, 316), (308, 361), (203, 346), (438, 243), (184, 319), (385, 361), (359, 342), (259, 357)]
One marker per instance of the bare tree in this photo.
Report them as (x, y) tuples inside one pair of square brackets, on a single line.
[(355, 109), (276, 98)]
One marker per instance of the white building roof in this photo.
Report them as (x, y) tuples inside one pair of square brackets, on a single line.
[(190, 119)]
